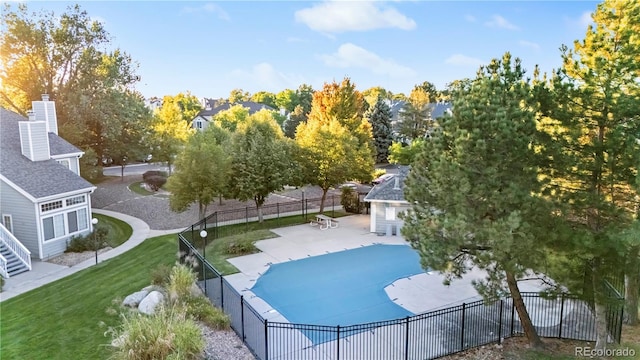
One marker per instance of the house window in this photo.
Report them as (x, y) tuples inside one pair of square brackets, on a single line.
[(77, 220), (199, 124), (53, 226), (65, 162), (7, 221), (51, 206), (75, 200), (390, 213)]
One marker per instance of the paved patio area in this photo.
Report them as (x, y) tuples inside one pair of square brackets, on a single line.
[(417, 294)]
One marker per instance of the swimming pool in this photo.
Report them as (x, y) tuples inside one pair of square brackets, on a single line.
[(342, 288)]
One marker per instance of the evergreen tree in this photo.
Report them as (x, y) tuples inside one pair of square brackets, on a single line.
[(472, 189), (380, 118), (295, 118), (415, 117), (595, 124)]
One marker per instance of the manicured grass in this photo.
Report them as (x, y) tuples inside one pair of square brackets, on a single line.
[(61, 320), (137, 188), (119, 231), (219, 250)]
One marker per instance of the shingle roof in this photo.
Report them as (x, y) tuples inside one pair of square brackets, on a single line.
[(437, 109), (253, 107), (42, 178), (387, 190)]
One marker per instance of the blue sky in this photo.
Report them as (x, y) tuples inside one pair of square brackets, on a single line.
[(212, 47)]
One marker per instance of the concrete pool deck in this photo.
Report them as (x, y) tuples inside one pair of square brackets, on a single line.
[(418, 294)]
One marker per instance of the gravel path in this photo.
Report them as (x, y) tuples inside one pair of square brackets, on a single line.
[(113, 194)]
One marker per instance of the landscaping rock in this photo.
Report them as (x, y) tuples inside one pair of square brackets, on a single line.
[(150, 302), (134, 299)]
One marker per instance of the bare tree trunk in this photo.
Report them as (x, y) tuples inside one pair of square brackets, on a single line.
[(529, 330), (600, 310), (220, 199), (324, 197), (632, 286), (202, 212)]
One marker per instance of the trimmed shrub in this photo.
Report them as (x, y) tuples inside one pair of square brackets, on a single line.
[(156, 182), (350, 201), (151, 173), (89, 242)]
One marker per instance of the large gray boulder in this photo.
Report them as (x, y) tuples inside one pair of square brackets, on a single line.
[(134, 299), (149, 304)]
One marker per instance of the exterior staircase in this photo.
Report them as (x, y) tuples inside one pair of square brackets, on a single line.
[(14, 257)]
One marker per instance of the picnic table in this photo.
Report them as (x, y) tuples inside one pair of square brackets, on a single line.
[(324, 222)]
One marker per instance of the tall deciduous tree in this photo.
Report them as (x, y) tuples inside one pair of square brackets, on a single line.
[(201, 171), (62, 55), (265, 97), (330, 153), (260, 159), (380, 118), (286, 99), (430, 90), (597, 99), (230, 118), (295, 118), (472, 187), (170, 131), (415, 117), (344, 104), (304, 98)]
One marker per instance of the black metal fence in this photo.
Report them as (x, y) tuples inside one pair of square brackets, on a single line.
[(425, 336)]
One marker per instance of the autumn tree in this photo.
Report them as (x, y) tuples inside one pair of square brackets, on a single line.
[(473, 189), (230, 118), (63, 56), (201, 171), (343, 104), (260, 160), (286, 99), (170, 131), (372, 94), (380, 118), (330, 154), (265, 97), (432, 94), (595, 124), (304, 98), (403, 154), (238, 95)]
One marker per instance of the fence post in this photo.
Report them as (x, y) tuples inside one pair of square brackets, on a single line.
[(266, 339), (338, 343), (242, 316), (246, 218), (333, 206), (406, 340), (513, 308), (500, 323), (221, 292), (462, 332), (278, 211), (561, 315)]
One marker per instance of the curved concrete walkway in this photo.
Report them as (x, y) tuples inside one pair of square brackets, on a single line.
[(44, 272)]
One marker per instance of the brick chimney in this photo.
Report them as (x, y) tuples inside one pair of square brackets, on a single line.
[(45, 110)]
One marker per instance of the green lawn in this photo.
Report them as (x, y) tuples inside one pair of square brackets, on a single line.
[(61, 320), (219, 250), (119, 231)]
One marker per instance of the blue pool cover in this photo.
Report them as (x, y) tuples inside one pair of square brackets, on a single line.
[(343, 288)]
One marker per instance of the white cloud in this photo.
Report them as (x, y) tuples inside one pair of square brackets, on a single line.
[(350, 55), (341, 16), (463, 60), (263, 76), (498, 21), (529, 44), (470, 18), (208, 8)]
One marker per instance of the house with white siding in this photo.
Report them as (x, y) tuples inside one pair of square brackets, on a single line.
[(387, 203), (44, 201)]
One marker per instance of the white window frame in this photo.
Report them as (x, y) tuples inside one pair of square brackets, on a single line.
[(65, 162), (4, 222), (390, 214)]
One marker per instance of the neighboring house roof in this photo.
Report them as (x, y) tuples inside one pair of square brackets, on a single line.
[(38, 179), (391, 190), (253, 107), (437, 109)]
